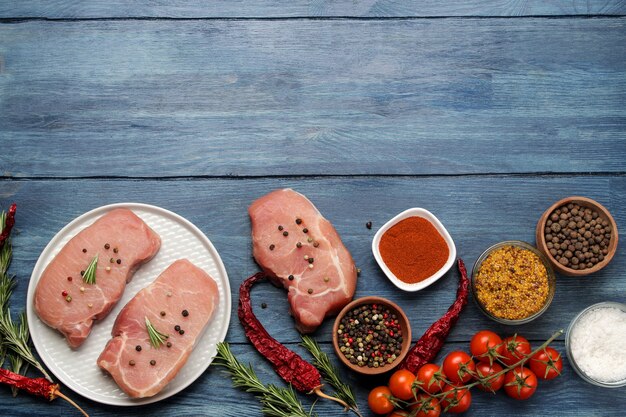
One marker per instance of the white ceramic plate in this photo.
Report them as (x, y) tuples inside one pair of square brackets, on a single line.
[(414, 212), (77, 369)]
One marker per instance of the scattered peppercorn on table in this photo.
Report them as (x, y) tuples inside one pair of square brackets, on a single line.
[(485, 118)]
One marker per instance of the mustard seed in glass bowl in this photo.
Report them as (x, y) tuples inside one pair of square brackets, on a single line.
[(512, 282)]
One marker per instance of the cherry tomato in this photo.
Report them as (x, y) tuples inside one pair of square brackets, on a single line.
[(458, 367), (430, 378), (520, 383), (378, 400), (515, 348), (547, 363), (483, 369), (427, 406), (401, 383), (456, 400), (486, 346)]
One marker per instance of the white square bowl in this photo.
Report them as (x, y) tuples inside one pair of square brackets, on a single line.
[(425, 214)]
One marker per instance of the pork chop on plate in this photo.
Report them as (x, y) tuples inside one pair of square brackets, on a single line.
[(68, 297), (175, 309), (301, 250)]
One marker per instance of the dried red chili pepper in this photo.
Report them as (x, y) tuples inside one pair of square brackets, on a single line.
[(8, 225), (303, 376), (433, 339), (40, 387), (289, 365)]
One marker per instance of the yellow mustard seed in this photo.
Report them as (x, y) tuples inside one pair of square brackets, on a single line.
[(512, 283)]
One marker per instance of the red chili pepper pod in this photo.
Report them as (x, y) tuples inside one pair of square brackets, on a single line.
[(8, 225), (289, 365), (433, 339)]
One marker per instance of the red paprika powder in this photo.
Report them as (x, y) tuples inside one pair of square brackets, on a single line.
[(413, 249)]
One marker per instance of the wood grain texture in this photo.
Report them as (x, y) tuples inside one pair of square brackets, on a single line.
[(312, 97), (314, 8), (478, 211)]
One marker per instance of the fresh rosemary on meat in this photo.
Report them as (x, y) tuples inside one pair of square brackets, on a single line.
[(276, 401), (156, 337), (90, 273)]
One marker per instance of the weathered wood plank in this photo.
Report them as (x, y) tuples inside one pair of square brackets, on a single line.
[(213, 396), (298, 8), (477, 211), (304, 97)]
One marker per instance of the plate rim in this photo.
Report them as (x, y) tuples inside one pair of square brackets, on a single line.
[(31, 316)]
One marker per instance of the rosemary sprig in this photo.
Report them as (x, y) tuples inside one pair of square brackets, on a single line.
[(276, 401), (330, 373), (156, 337), (90, 273), (18, 365), (14, 337), (7, 284)]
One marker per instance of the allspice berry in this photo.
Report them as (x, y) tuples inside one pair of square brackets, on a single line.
[(577, 237)]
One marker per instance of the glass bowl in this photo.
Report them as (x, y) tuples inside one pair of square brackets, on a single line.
[(568, 345), (544, 261)]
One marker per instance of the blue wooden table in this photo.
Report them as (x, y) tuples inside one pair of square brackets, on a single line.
[(483, 112)]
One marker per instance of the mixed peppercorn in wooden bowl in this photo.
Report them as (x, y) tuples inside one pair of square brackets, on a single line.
[(371, 335)]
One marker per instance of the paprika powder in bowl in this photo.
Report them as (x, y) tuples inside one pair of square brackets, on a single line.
[(414, 249)]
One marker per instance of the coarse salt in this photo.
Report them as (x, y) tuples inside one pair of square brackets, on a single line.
[(597, 344)]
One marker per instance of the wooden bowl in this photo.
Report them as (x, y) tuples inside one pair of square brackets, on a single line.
[(585, 202), (404, 326)]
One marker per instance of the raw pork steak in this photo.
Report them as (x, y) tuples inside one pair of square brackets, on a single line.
[(179, 305), (298, 248), (122, 242)]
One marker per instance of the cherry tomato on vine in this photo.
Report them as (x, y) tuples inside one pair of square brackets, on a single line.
[(483, 369), (401, 383), (520, 383), (427, 406), (547, 363), (486, 346), (458, 367), (378, 400), (515, 348), (430, 377), (457, 400)]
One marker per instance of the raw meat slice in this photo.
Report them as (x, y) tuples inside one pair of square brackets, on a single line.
[(183, 297), (300, 250), (122, 242)]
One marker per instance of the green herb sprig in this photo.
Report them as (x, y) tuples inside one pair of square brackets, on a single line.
[(7, 284), (276, 401), (14, 336), (330, 374), (156, 337), (90, 273)]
